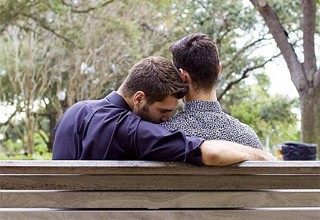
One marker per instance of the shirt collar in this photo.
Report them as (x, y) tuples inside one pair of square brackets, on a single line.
[(118, 101), (203, 106)]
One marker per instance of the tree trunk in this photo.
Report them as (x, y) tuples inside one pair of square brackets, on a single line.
[(310, 118), (30, 143), (52, 124), (305, 76)]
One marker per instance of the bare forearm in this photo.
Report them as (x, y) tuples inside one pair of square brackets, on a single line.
[(221, 153)]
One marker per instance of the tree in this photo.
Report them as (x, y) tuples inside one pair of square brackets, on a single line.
[(85, 48), (62, 57), (304, 72), (27, 59), (270, 116), (233, 25)]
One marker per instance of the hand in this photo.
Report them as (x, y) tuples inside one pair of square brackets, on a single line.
[(272, 157), (267, 156)]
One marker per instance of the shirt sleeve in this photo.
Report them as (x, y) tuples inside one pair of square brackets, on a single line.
[(154, 142)]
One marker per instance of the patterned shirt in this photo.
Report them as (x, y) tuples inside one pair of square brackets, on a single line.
[(206, 119)]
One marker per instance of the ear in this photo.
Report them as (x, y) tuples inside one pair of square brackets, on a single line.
[(138, 97), (219, 69), (185, 76)]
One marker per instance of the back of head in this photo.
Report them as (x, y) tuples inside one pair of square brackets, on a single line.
[(198, 55), (157, 77)]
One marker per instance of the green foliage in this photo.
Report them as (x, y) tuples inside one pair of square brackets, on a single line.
[(20, 156), (111, 39), (13, 149), (292, 15), (271, 116), (234, 26), (44, 43)]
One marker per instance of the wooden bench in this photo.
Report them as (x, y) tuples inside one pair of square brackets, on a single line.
[(159, 190)]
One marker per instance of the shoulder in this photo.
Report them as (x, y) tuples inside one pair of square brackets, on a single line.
[(86, 105), (177, 121)]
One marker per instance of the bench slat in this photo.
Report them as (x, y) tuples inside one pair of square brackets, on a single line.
[(253, 214), (159, 182), (158, 200), (148, 167)]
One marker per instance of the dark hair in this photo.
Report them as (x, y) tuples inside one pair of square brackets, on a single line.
[(157, 77), (198, 55)]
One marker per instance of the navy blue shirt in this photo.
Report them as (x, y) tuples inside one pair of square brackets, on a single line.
[(107, 129)]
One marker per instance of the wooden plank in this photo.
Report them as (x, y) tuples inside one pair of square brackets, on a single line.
[(159, 200), (158, 182), (274, 214), (154, 167)]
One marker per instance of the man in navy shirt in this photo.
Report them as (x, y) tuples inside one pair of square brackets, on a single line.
[(124, 125)]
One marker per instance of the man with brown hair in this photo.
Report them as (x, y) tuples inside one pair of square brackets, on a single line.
[(197, 58), (113, 128)]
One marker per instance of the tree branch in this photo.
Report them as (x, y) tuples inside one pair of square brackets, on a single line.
[(243, 49), (9, 118), (244, 75), (41, 23), (87, 9), (281, 37), (44, 138), (13, 14)]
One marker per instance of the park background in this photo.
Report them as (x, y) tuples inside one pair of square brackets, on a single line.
[(55, 53)]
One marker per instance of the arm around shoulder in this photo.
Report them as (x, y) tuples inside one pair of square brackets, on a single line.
[(221, 153)]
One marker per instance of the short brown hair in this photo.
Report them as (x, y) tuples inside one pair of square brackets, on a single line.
[(157, 77), (198, 55)]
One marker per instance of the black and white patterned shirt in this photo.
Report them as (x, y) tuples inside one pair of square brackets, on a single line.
[(206, 119)]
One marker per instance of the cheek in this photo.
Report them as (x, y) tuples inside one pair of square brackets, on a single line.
[(155, 114)]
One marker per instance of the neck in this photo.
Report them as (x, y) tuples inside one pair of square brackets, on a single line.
[(128, 100), (201, 95)]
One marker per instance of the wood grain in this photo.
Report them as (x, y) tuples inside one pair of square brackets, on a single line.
[(154, 167), (159, 200), (249, 214), (159, 190), (158, 182)]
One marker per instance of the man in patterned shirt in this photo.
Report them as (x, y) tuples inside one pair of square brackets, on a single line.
[(197, 59)]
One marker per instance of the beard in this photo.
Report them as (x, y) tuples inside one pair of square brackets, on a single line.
[(143, 113)]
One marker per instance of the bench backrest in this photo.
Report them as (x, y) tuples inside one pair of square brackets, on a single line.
[(159, 190)]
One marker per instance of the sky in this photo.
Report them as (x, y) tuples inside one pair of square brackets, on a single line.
[(280, 79)]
